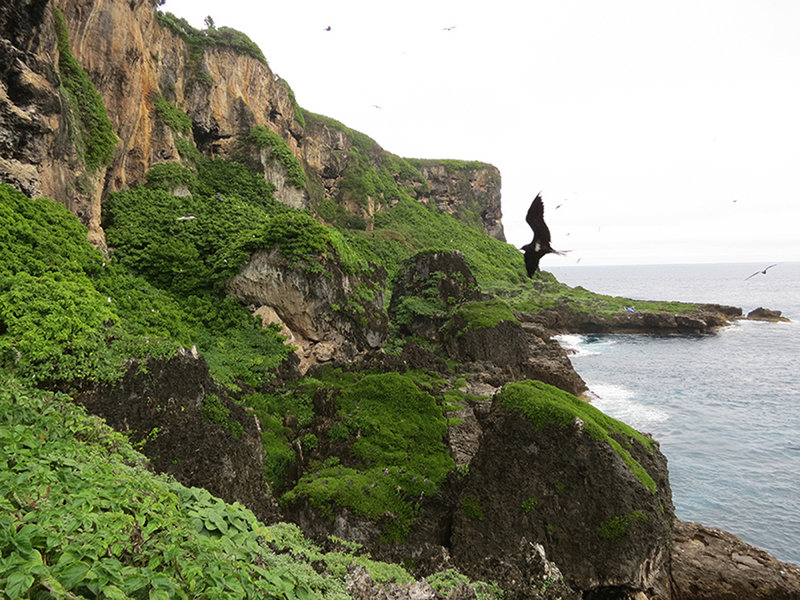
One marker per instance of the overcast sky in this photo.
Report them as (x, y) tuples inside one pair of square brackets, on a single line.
[(668, 132)]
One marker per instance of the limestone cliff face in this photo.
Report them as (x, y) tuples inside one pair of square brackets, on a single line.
[(37, 150), (132, 57), (470, 191)]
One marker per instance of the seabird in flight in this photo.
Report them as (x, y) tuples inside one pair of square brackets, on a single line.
[(541, 237), (764, 272)]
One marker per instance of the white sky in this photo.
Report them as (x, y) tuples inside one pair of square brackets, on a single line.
[(669, 132)]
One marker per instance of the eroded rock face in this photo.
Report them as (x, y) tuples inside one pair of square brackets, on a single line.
[(37, 153), (131, 59), (711, 564), (167, 408), (474, 188), (574, 495), (329, 312)]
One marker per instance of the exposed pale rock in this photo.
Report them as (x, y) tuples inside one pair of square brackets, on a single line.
[(319, 305)]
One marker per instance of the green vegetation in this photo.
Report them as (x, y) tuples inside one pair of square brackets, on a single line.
[(167, 176), (444, 582), (299, 115), (172, 116), (96, 141), (372, 174), (82, 517), (616, 527), (396, 453), (544, 292), (543, 404), (69, 315), (198, 40), (482, 315), (215, 411), (265, 138), (471, 507)]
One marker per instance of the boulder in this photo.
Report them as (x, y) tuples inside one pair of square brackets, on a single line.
[(765, 314), (711, 564), (554, 471), (426, 289), (186, 425)]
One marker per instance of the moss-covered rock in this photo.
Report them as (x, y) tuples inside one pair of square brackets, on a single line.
[(427, 289), (602, 509)]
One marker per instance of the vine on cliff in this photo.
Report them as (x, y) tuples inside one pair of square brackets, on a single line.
[(97, 139)]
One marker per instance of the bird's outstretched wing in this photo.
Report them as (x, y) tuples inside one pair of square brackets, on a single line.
[(535, 218), (763, 271)]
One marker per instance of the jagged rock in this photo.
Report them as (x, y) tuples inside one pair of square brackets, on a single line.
[(167, 407), (711, 564), (557, 486), (320, 306), (37, 151), (765, 314), (427, 287), (509, 351)]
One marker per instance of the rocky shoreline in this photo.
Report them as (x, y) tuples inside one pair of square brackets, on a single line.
[(517, 509)]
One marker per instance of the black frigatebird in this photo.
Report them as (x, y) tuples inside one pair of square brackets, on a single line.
[(541, 237)]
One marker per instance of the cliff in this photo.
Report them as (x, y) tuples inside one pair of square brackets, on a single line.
[(151, 69), (444, 432)]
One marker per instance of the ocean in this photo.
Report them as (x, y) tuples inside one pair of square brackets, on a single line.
[(725, 407)]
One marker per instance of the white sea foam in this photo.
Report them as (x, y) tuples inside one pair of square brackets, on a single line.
[(583, 345), (621, 403)]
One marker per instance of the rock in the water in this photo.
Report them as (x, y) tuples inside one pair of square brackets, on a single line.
[(711, 564), (766, 314)]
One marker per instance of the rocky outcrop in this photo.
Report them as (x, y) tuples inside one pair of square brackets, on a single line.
[(326, 311), (561, 487), (435, 296), (37, 151), (766, 314), (427, 288), (711, 564), (187, 427), (706, 319)]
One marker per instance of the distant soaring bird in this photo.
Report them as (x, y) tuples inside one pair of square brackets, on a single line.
[(763, 272), (541, 237)]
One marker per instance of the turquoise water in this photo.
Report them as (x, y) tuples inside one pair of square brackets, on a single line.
[(725, 407)]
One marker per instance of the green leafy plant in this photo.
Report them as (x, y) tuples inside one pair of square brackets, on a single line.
[(390, 466), (215, 411), (172, 116)]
